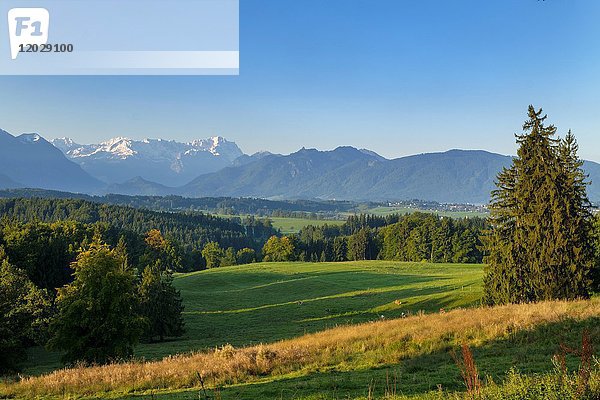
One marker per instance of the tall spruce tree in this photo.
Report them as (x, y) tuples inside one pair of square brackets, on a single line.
[(539, 244), (578, 233)]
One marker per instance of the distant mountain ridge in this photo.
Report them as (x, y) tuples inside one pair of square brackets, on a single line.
[(140, 186), (163, 161), (7, 183), (345, 173), (455, 176), (29, 160)]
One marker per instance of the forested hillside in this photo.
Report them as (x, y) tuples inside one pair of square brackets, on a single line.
[(188, 231)]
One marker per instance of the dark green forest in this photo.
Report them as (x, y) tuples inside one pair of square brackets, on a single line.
[(410, 237), (46, 223), (189, 231)]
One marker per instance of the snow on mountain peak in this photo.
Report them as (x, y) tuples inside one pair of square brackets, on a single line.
[(216, 145), (150, 149), (64, 140), (64, 144), (120, 147)]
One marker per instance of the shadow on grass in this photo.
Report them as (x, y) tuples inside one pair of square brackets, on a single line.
[(527, 351), (256, 290), (361, 298)]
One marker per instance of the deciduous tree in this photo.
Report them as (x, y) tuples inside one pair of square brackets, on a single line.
[(24, 314), (213, 254), (279, 249), (98, 318)]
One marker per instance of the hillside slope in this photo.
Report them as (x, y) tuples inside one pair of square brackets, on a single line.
[(29, 160), (407, 355), (7, 183), (139, 186)]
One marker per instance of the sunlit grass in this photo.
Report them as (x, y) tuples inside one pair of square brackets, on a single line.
[(417, 346), (266, 302)]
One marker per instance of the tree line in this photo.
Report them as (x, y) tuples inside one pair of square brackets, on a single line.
[(409, 237), (187, 231), (218, 205)]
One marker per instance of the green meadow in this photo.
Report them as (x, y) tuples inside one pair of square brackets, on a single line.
[(294, 225), (415, 313), (266, 302), (288, 225)]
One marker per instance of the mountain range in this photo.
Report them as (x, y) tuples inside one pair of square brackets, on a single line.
[(217, 167), (162, 161), (346, 173)]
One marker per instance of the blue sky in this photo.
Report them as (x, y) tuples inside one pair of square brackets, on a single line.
[(398, 77)]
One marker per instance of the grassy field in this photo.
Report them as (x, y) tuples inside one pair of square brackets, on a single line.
[(329, 331), (291, 225), (406, 356), (294, 225), (262, 303)]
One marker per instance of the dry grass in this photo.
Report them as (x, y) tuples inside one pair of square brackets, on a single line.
[(375, 343)]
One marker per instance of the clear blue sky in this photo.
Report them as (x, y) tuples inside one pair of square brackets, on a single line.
[(395, 76)]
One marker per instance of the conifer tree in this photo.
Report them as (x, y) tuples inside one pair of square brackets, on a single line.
[(339, 248), (539, 245), (160, 304), (578, 234), (360, 245)]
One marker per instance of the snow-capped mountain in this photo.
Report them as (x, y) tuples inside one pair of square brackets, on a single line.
[(164, 161), (64, 144)]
